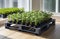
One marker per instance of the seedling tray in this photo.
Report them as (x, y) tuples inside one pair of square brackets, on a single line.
[(34, 30), (3, 16)]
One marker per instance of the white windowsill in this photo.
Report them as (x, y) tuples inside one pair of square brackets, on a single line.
[(56, 14)]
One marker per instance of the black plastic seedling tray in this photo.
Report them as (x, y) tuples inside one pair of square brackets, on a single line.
[(34, 30), (3, 16)]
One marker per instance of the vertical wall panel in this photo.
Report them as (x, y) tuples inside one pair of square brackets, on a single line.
[(36, 4)]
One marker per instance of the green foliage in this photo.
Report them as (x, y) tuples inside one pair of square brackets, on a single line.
[(32, 16), (7, 11)]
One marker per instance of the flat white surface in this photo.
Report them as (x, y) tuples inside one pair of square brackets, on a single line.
[(3, 21), (57, 4), (20, 3), (10, 3), (56, 14)]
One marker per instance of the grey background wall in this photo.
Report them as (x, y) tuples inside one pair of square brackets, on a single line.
[(37, 4), (41, 4)]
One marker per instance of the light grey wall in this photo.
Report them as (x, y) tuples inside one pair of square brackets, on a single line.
[(7, 3), (36, 4), (41, 4), (1, 3)]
